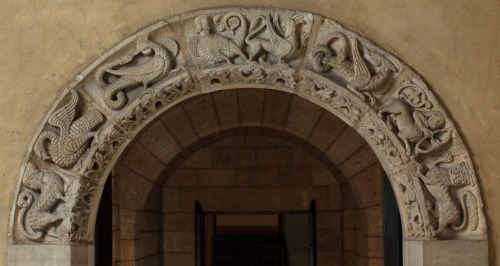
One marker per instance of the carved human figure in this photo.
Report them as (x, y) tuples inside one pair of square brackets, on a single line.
[(359, 77), (126, 77), (282, 40), (66, 146), (214, 47), (421, 127), (34, 222)]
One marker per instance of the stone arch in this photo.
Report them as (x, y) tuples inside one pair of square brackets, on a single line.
[(200, 52), (316, 134)]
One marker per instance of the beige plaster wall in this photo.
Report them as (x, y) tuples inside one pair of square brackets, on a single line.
[(453, 44)]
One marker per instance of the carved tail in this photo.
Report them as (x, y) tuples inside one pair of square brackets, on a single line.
[(40, 143), (255, 27), (318, 53), (469, 202), (24, 202)]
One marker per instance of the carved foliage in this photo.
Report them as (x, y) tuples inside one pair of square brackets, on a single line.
[(153, 100), (260, 74), (382, 143), (81, 210), (111, 140), (340, 104), (115, 77), (67, 140)]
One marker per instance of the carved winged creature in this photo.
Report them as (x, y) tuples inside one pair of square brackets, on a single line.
[(34, 221), (215, 47), (67, 146), (360, 80), (127, 77), (282, 42)]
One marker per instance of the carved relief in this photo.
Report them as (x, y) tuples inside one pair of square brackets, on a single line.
[(341, 105), (80, 212), (65, 145), (366, 70), (438, 179), (415, 221), (221, 44), (258, 75), (401, 119), (38, 215), (110, 142), (224, 38), (381, 142), (422, 131), (123, 73), (281, 39), (154, 100)]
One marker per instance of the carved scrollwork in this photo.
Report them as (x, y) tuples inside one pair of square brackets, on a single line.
[(67, 140), (369, 71), (123, 73), (38, 214)]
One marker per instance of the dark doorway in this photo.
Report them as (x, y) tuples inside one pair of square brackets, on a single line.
[(255, 239), (103, 227), (393, 243)]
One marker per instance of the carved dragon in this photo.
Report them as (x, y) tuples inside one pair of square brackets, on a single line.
[(425, 128), (67, 146), (127, 77), (438, 181), (34, 222), (215, 47), (283, 41), (360, 80)]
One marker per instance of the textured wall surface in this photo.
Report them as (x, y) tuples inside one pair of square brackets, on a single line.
[(454, 45)]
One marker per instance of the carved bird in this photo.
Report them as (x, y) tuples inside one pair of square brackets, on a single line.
[(67, 146), (212, 47), (158, 66)]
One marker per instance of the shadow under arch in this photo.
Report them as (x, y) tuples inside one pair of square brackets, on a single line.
[(324, 62)]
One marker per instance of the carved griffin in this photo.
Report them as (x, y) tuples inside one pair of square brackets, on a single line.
[(127, 77), (283, 41), (359, 77), (35, 221), (215, 47), (65, 147)]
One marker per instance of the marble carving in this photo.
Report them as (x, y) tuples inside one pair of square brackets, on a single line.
[(296, 52)]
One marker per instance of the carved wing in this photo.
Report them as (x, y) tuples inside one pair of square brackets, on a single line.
[(363, 75), (276, 39), (63, 116), (153, 65)]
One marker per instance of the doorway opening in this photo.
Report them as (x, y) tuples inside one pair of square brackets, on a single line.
[(256, 238)]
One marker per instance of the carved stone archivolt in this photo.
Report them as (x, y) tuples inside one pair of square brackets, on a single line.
[(296, 52)]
